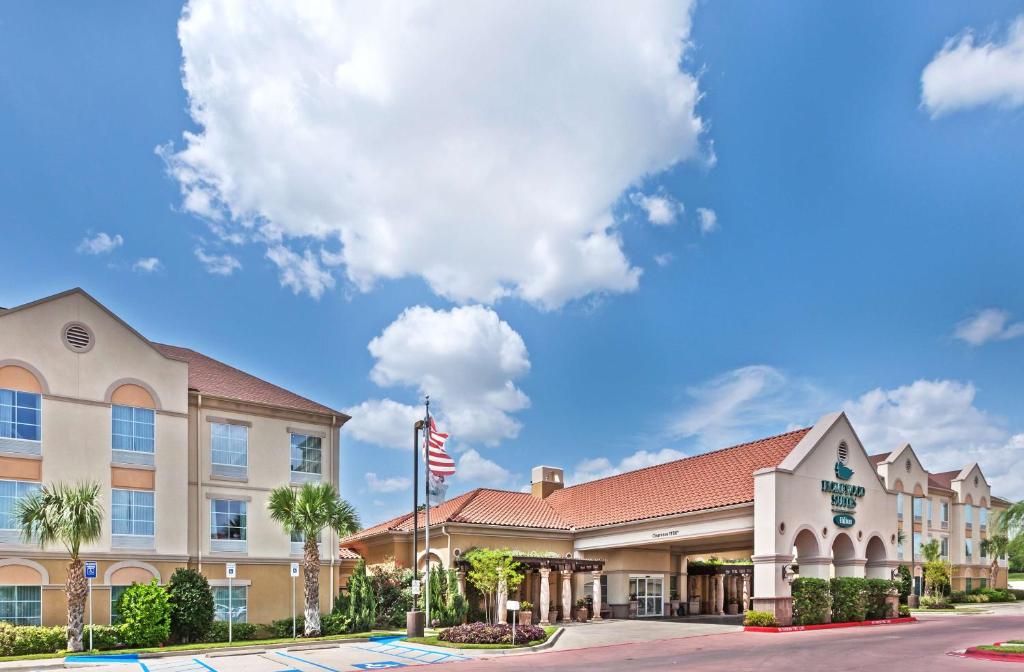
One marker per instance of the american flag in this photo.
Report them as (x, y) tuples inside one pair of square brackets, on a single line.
[(438, 461)]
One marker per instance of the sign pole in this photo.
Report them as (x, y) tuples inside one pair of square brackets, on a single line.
[(89, 569), (230, 569), (295, 573), (90, 615), (426, 527), (231, 611)]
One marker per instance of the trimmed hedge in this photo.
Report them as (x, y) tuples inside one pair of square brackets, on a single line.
[(811, 601), (761, 619), (145, 615), (849, 599), (239, 632), (22, 640), (876, 590), (484, 633)]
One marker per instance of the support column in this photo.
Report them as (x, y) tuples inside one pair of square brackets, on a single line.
[(720, 594), (545, 595), (773, 591), (597, 595), (745, 606), (460, 576), (502, 599), (566, 595)]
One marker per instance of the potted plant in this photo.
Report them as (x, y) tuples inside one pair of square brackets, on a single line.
[(581, 610), (674, 602), (634, 605), (525, 613), (733, 607)]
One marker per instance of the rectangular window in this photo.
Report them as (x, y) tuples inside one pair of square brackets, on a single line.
[(918, 545), (945, 512), (969, 548), (969, 585), (968, 516), (11, 492), (306, 454), (984, 582), (899, 505), (115, 594), (918, 507), (982, 550), (19, 415), (983, 517), (132, 513), (228, 519), (930, 516), (132, 429), (945, 547), (21, 605), (235, 603), (229, 444)]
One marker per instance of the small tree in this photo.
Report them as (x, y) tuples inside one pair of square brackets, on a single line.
[(191, 605), (362, 605), (932, 553), (145, 614), (489, 569), (995, 546)]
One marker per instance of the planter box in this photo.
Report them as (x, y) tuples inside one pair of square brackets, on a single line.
[(732, 609), (581, 614), (525, 618), (828, 626)]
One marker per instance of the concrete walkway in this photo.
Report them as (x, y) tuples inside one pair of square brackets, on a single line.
[(611, 631)]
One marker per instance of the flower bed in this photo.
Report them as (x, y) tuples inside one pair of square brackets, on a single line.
[(828, 626), (484, 633)]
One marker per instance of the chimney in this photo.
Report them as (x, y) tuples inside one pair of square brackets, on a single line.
[(545, 480)]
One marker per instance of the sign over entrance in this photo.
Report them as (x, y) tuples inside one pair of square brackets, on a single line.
[(843, 498)]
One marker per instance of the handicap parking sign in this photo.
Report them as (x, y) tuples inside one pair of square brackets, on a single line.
[(90, 569), (383, 665)]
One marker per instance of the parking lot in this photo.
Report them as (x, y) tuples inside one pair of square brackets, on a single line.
[(380, 654)]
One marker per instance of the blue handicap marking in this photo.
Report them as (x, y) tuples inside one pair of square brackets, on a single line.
[(90, 569), (383, 665)]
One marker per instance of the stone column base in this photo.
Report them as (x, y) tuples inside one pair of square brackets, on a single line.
[(780, 607)]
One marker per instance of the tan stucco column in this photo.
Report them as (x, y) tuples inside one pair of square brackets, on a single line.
[(719, 594), (545, 594), (597, 595), (682, 580), (460, 576), (502, 599), (566, 595), (746, 594)]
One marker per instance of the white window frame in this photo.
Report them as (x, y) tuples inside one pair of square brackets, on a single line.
[(140, 418), (292, 436), (20, 620), (228, 544), (133, 538), (14, 416), (28, 487), (229, 429), (237, 617), (113, 602)]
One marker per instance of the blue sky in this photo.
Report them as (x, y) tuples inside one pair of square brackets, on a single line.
[(513, 210)]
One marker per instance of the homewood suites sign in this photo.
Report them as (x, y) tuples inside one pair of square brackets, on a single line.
[(843, 496)]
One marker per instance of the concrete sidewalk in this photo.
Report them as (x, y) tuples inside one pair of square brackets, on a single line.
[(611, 631)]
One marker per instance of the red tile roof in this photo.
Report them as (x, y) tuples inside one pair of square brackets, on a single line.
[(879, 458), (348, 554), (209, 376), (707, 481), (943, 479)]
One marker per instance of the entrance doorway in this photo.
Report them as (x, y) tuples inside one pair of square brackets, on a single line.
[(650, 594)]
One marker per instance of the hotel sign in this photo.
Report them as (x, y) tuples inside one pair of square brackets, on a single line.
[(843, 498)]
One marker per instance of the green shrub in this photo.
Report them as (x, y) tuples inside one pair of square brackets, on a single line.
[(906, 583), (762, 619), (389, 587), (811, 601), (849, 599), (7, 638), (935, 603), (957, 597), (30, 639), (995, 594), (282, 627), (875, 593), (333, 624), (239, 632), (904, 611), (1017, 593), (362, 608), (104, 637), (191, 605), (145, 615)]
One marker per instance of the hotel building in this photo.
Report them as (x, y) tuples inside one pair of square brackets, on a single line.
[(184, 447), (811, 502)]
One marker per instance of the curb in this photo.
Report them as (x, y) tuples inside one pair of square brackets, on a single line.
[(975, 652), (547, 644), (829, 626)]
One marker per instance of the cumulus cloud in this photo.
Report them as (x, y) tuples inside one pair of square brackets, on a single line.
[(990, 324), (969, 73), (745, 402), (147, 265), (661, 209), (383, 422), (600, 467), (480, 146), (707, 220), (477, 470), (302, 273), (663, 259), (466, 359), (393, 484), (218, 264), (101, 243)]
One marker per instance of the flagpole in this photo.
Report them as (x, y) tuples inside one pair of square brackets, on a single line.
[(426, 529)]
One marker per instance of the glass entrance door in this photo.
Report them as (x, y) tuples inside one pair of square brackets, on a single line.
[(650, 595)]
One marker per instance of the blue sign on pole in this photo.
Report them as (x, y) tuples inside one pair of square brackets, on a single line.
[(90, 569)]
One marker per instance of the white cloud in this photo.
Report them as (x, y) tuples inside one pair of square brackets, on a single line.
[(663, 259), (101, 243), (600, 467), (742, 403), (661, 209), (383, 422), (466, 359), (476, 470), (990, 324), (218, 264), (481, 146), (147, 265), (967, 73), (707, 220), (393, 484), (301, 273)]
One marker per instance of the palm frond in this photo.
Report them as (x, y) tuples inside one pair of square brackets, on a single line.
[(311, 509), (70, 514)]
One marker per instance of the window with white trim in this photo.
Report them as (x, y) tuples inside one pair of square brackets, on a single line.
[(20, 415), (969, 548), (132, 429), (229, 444), (115, 594), (306, 454), (21, 605), (237, 605), (944, 544), (12, 492), (983, 517), (968, 516), (132, 512), (228, 519), (899, 505)]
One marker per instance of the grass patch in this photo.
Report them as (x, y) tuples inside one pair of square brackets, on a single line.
[(1002, 649), (203, 646), (434, 641), (1017, 576), (951, 610)]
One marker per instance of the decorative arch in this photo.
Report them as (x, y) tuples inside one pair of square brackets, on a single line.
[(969, 499), (127, 572), (805, 541), (16, 374), (918, 490), (132, 392), (983, 503), (843, 549), (23, 572), (898, 485), (421, 561), (875, 550)]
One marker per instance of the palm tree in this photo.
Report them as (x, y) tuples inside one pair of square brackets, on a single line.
[(996, 546), (72, 515), (309, 510)]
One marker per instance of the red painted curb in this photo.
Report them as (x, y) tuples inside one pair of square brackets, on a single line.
[(829, 626), (974, 652)]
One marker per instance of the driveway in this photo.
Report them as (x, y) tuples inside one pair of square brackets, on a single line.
[(584, 635)]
